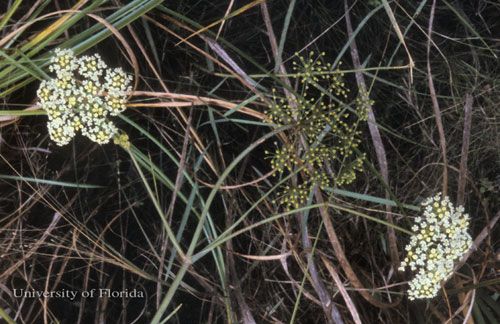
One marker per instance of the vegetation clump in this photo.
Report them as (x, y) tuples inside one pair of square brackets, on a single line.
[(193, 216)]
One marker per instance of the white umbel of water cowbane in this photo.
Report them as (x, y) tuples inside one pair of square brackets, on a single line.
[(440, 238), (81, 96)]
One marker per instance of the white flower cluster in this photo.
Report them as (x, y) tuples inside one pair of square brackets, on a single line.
[(440, 239), (83, 93)]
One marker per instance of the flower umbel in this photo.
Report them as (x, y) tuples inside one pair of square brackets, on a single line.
[(325, 131), (81, 96), (440, 239)]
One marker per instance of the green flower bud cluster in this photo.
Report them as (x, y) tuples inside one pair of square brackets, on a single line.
[(321, 117), (295, 196), (284, 159), (440, 239), (81, 96), (122, 140)]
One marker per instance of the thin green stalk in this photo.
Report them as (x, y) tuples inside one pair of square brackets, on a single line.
[(188, 260), (4, 316), (156, 204), (50, 182)]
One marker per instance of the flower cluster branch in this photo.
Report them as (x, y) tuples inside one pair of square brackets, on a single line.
[(329, 126)]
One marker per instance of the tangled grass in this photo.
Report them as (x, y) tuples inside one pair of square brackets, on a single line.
[(183, 217)]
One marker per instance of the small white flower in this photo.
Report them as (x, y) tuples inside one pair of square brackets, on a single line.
[(60, 131), (101, 131)]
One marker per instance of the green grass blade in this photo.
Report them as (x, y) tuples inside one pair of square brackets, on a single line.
[(9, 13), (50, 182), (5, 317), (373, 199)]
